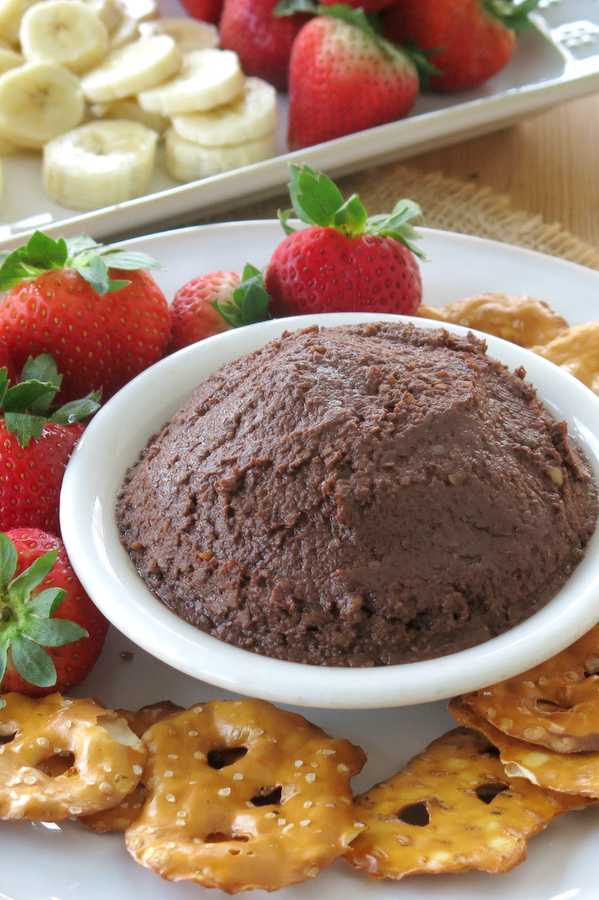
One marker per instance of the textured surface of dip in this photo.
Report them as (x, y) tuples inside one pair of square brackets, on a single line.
[(358, 496)]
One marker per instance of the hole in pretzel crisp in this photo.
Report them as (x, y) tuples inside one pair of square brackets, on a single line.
[(591, 667), (225, 756), (268, 796), (56, 765), (219, 837), (7, 738), (550, 705), (487, 792), (415, 814)]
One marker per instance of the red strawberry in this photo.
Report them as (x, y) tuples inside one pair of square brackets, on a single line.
[(51, 634), (36, 442), (205, 10), (6, 362), (343, 77), (216, 302), (469, 40), (102, 325), (262, 40), (345, 261)]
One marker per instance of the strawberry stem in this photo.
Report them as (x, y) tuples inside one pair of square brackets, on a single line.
[(513, 15)]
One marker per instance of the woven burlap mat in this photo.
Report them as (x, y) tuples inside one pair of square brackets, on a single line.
[(448, 203)]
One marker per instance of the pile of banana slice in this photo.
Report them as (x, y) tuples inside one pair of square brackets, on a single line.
[(96, 84)]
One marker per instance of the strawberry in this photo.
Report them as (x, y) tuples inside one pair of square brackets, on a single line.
[(344, 77), (6, 362), (101, 316), (471, 40), (345, 261), (51, 634), (205, 10), (262, 40), (369, 6), (36, 441), (217, 302)]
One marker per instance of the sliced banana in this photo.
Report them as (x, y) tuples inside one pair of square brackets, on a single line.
[(125, 33), (208, 78), (132, 13), (66, 32), (9, 59), (130, 109), (252, 115), (107, 11), (187, 161), (132, 69), (11, 13), (99, 164), (188, 34), (140, 10), (39, 101), (7, 148)]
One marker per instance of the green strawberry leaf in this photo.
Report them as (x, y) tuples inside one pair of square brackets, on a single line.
[(26, 395), (249, 303), (369, 25), (4, 383), (284, 216), (8, 561), (513, 15), (291, 7), (53, 632), (81, 242), (20, 588), (32, 662), (94, 270), (352, 216), (3, 665), (40, 254), (77, 410), (397, 225), (127, 259), (315, 197), (24, 426), (46, 603), (41, 368)]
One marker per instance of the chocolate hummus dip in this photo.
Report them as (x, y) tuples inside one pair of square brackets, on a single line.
[(359, 496)]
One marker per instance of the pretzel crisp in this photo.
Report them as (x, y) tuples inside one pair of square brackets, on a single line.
[(555, 704), (452, 809), (242, 796), (118, 818), (62, 758), (572, 773), (577, 351), (521, 320)]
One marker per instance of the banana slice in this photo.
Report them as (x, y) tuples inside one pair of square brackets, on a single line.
[(99, 164), (140, 10), (188, 34), (132, 69), (6, 148), (130, 109), (66, 32), (107, 11), (11, 13), (207, 79), (125, 33), (9, 59), (187, 161), (39, 101), (132, 14), (251, 116)]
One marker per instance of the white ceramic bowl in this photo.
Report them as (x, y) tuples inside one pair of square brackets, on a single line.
[(122, 428)]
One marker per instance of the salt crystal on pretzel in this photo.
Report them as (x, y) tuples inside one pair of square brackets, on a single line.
[(572, 773), (452, 809), (118, 818), (577, 351), (521, 320), (61, 758), (242, 796), (555, 704)]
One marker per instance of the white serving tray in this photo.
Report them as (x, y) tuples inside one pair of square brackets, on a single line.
[(556, 61)]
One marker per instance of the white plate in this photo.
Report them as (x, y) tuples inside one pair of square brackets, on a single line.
[(49, 862), (556, 61)]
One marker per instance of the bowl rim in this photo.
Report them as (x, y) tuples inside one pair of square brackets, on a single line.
[(91, 538)]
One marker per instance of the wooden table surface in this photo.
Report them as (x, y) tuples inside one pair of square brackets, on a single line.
[(547, 165)]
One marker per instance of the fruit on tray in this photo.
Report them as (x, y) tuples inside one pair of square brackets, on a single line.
[(6, 361), (188, 34), (344, 77), (37, 437), (250, 116), (129, 110), (207, 79), (99, 163), (369, 6), (67, 33), (39, 101), (217, 302), (346, 261), (11, 13), (9, 59), (51, 634), (262, 39), (136, 67), (206, 10), (188, 161), (469, 42), (95, 309)]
